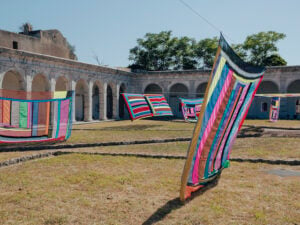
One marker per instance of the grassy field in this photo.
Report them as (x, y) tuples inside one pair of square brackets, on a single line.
[(279, 123), (148, 129), (82, 189), (93, 189)]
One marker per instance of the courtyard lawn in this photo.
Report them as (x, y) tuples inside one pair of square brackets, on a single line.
[(130, 131), (149, 129), (279, 123), (83, 189)]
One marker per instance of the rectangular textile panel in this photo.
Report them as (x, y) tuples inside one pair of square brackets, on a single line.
[(158, 105), (137, 106), (191, 108), (1, 112), (35, 119), (274, 109), (6, 107), (229, 93), (43, 120), (15, 113), (23, 115), (63, 118)]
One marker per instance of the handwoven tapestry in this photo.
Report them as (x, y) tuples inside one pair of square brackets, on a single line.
[(229, 93), (274, 109), (191, 108), (35, 116), (158, 105), (137, 106)]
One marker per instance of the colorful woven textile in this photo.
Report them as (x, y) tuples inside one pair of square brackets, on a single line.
[(274, 109), (191, 108), (137, 106), (158, 105), (230, 90), (35, 117)]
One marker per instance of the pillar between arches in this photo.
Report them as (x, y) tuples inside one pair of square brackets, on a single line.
[(103, 103)]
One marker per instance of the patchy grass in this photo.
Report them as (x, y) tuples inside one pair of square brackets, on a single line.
[(82, 189), (279, 123), (129, 131), (149, 129), (267, 148), (259, 147)]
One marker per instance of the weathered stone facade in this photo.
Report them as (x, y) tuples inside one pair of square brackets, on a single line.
[(46, 42), (98, 88)]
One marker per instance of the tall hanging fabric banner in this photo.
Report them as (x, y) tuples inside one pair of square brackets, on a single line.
[(274, 109), (229, 93)]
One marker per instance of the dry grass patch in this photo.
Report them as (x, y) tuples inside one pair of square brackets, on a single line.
[(267, 148), (279, 123), (82, 189)]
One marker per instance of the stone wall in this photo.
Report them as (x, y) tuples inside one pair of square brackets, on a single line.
[(98, 88), (48, 42)]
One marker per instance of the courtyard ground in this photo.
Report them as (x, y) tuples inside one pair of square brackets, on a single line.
[(95, 189)]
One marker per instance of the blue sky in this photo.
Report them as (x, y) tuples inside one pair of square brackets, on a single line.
[(110, 28)]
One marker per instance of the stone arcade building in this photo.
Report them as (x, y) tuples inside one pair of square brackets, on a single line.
[(42, 62)]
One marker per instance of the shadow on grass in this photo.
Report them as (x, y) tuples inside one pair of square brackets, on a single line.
[(175, 203)]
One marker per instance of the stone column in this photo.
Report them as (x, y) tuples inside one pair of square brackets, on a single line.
[(73, 87), (103, 102), (28, 85), (192, 90), (116, 95), (52, 84), (89, 104)]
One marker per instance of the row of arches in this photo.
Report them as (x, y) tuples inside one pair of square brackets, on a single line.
[(100, 99), (12, 80)]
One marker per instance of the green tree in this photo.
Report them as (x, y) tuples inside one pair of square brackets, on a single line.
[(261, 48), (206, 51), (183, 54), (153, 52)]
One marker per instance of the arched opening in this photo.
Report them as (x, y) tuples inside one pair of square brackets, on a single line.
[(40, 83), (264, 107), (96, 102), (267, 87), (121, 102), (294, 87), (177, 91), (109, 102), (13, 81), (153, 89), (201, 90), (61, 84), (81, 100)]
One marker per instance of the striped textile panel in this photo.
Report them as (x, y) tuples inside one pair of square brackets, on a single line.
[(137, 106), (230, 91), (6, 112), (191, 108), (274, 109), (158, 105), (36, 120)]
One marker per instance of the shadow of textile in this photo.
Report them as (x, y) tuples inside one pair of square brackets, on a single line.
[(175, 203)]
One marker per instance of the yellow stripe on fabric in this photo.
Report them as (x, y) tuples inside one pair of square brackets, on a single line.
[(60, 94), (216, 77), (243, 79)]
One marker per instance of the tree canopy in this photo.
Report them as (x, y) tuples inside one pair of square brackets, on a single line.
[(162, 51)]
